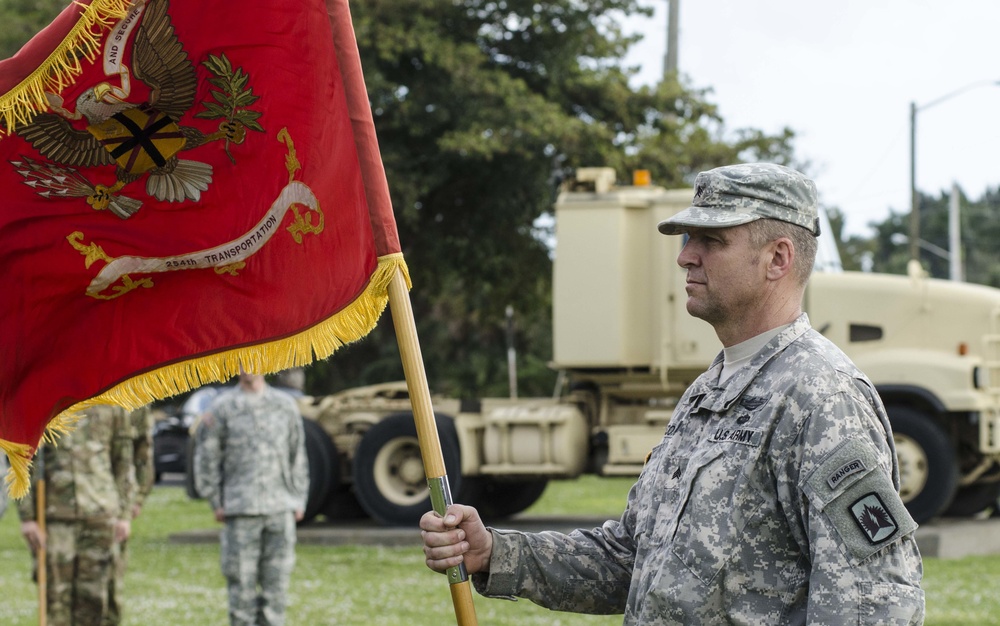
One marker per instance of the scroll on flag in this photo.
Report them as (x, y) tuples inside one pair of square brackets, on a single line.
[(182, 194)]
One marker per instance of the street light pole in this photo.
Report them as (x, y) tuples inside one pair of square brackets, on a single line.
[(673, 26), (914, 200)]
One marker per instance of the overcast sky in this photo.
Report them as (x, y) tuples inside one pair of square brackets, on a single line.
[(842, 75)]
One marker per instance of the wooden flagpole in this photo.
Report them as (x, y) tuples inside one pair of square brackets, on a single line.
[(427, 435), (380, 205), (41, 556)]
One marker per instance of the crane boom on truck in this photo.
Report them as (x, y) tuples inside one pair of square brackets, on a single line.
[(628, 348)]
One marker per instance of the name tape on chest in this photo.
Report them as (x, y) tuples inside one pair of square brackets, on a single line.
[(745, 436)]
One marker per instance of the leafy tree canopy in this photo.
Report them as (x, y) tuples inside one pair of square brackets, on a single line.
[(482, 108)]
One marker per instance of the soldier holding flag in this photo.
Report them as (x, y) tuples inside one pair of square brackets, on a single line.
[(90, 484), (773, 496)]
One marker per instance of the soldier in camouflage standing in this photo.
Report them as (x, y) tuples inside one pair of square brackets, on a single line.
[(90, 484), (251, 467), (3, 489), (772, 498), (141, 433)]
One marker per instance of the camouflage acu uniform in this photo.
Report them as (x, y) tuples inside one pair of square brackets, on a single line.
[(251, 463), (89, 486), (141, 433), (772, 499)]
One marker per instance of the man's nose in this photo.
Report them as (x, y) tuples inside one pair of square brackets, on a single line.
[(686, 256)]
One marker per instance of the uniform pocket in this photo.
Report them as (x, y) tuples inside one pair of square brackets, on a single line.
[(657, 493), (889, 604), (720, 497)]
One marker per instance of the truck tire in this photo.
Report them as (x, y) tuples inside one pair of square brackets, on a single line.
[(973, 499), (928, 468), (190, 478), (500, 499), (342, 505), (389, 479), (324, 468)]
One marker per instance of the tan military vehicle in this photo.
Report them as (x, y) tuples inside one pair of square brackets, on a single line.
[(626, 349)]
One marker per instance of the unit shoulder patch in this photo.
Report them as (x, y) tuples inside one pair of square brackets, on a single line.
[(874, 518)]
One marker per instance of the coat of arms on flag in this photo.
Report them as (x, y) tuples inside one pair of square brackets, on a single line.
[(182, 194)]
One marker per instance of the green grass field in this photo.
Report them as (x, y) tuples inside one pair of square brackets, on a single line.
[(180, 584)]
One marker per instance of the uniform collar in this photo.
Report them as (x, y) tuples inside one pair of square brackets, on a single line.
[(708, 395)]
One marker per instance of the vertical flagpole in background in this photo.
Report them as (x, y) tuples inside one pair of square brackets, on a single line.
[(377, 193)]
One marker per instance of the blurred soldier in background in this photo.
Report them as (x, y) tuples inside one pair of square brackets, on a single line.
[(90, 485), (3, 487), (251, 467), (141, 433)]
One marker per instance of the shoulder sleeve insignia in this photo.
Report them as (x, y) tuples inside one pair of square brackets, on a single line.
[(874, 518), (858, 499)]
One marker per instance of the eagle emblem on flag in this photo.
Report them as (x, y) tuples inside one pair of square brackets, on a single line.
[(139, 139)]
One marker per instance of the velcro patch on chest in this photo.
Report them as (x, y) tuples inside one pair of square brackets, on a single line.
[(745, 436)]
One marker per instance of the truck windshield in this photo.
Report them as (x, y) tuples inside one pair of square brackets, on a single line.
[(827, 254)]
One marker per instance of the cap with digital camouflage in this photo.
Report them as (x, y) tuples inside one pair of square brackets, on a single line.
[(738, 194)]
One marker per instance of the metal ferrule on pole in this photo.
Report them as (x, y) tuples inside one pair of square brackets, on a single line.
[(440, 501)]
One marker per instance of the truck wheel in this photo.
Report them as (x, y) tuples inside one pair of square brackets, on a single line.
[(928, 470), (973, 499), (389, 479), (323, 468), (342, 505), (501, 499), (190, 480)]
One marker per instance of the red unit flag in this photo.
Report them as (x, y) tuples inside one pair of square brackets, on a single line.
[(182, 194)]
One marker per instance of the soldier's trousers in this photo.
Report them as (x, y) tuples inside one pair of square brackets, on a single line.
[(258, 554), (80, 557)]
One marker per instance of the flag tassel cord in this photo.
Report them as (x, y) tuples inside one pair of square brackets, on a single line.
[(318, 342), (23, 101)]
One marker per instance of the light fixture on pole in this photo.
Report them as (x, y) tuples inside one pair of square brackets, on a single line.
[(914, 201)]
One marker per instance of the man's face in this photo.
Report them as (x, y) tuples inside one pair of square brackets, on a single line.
[(725, 275), (249, 380)]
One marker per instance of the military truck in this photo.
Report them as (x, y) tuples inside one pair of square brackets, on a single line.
[(626, 349)]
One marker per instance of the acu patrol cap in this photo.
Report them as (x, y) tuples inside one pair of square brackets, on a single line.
[(738, 194)]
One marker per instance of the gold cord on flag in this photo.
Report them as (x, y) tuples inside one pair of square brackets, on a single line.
[(21, 103)]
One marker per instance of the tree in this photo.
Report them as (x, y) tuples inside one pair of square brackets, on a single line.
[(21, 19), (482, 108)]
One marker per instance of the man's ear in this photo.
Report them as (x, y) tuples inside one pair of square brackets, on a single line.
[(782, 252)]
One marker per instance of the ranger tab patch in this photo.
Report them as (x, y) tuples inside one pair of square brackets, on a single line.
[(845, 470), (873, 517)]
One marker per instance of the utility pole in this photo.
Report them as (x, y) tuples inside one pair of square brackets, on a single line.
[(670, 58), (954, 237), (914, 198)]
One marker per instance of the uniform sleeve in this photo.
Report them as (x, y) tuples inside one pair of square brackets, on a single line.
[(122, 464), (142, 451), (208, 459), (865, 565), (585, 571), (298, 462)]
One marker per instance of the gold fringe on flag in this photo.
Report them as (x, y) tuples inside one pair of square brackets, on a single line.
[(27, 98), (316, 343)]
